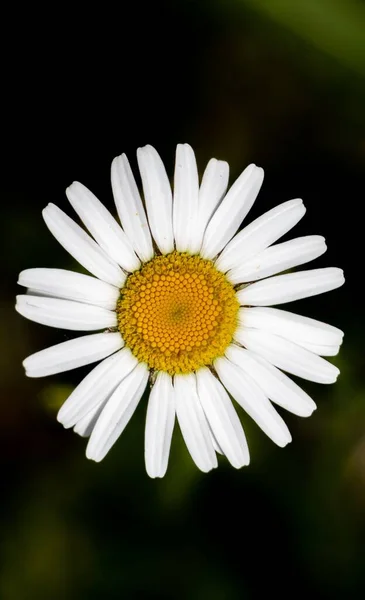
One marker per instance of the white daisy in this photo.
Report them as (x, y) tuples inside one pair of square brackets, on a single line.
[(183, 301)]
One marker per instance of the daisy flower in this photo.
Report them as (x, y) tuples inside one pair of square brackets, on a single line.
[(181, 300)]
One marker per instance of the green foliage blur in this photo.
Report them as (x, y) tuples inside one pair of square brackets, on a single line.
[(279, 83)]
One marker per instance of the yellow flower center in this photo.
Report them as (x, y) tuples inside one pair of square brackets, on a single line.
[(177, 313)]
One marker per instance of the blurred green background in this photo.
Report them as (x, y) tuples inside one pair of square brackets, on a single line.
[(278, 83)]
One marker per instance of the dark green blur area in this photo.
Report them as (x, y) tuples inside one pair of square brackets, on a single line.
[(278, 83)]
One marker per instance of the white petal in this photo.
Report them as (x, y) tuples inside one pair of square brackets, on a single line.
[(158, 197), (32, 292), (70, 285), (117, 413), (186, 194), (291, 286), (287, 355), (252, 399), (72, 354), (160, 421), (275, 384), (212, 189), (279, 258), (231, 211), (102, 226), (65, 313), (322, 349), (130, 208), (223, 419), (81, 246), (260, 234), (193, 423), (216, 446), (301, 330), (85, 426), (96, 387)]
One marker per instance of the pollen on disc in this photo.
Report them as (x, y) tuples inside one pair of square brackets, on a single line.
[(177, 313)]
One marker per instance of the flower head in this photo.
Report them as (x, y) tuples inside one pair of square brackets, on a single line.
[(184, 300)]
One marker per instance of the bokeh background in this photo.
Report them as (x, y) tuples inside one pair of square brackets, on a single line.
[(279, 83)]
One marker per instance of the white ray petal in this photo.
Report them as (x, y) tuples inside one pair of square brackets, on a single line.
[(158, 197), (231, 211), (117, 413), (186, 195), (85, 426), (212, 189), (275, 384), (130, 208), (222, 418), (80, 245), (193, 423), (287, 355), (160, 421), (301, 330), (71, 286), (96, 387), (65, 314), (279, 258), (252, 399), (216, 446), (102, 226), (291, 286), (72, 354), (322, 349), (260, 234)]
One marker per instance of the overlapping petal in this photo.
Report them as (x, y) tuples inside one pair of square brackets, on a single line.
[(130, 208), (260, 234), (160, 421), (117, 413), (65, 314), (102, 226), (72, 354), (71, 286), (193, 422), (158, 197)]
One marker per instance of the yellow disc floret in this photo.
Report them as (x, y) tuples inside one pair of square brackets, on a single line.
[(177, 313)]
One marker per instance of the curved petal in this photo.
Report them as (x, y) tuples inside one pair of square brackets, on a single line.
[(160, 421), (72, 354), (81, 246), (291, 286), (279, 258), (70, 285), (65, 314), (276, 385), (186, 194), (193, 423), (216, 446), (96, 387), (231, 211), (260, 234), (287, 355), (222, 418), (117, 413), (85, 426), (301, 330), (322, 349), (252, 399), (158, 197), (102, 226), (130, 208), (212, 189)]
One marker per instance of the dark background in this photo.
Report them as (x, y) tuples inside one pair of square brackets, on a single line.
[(277, 83)]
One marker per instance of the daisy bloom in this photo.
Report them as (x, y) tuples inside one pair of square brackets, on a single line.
[(181, 300)]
